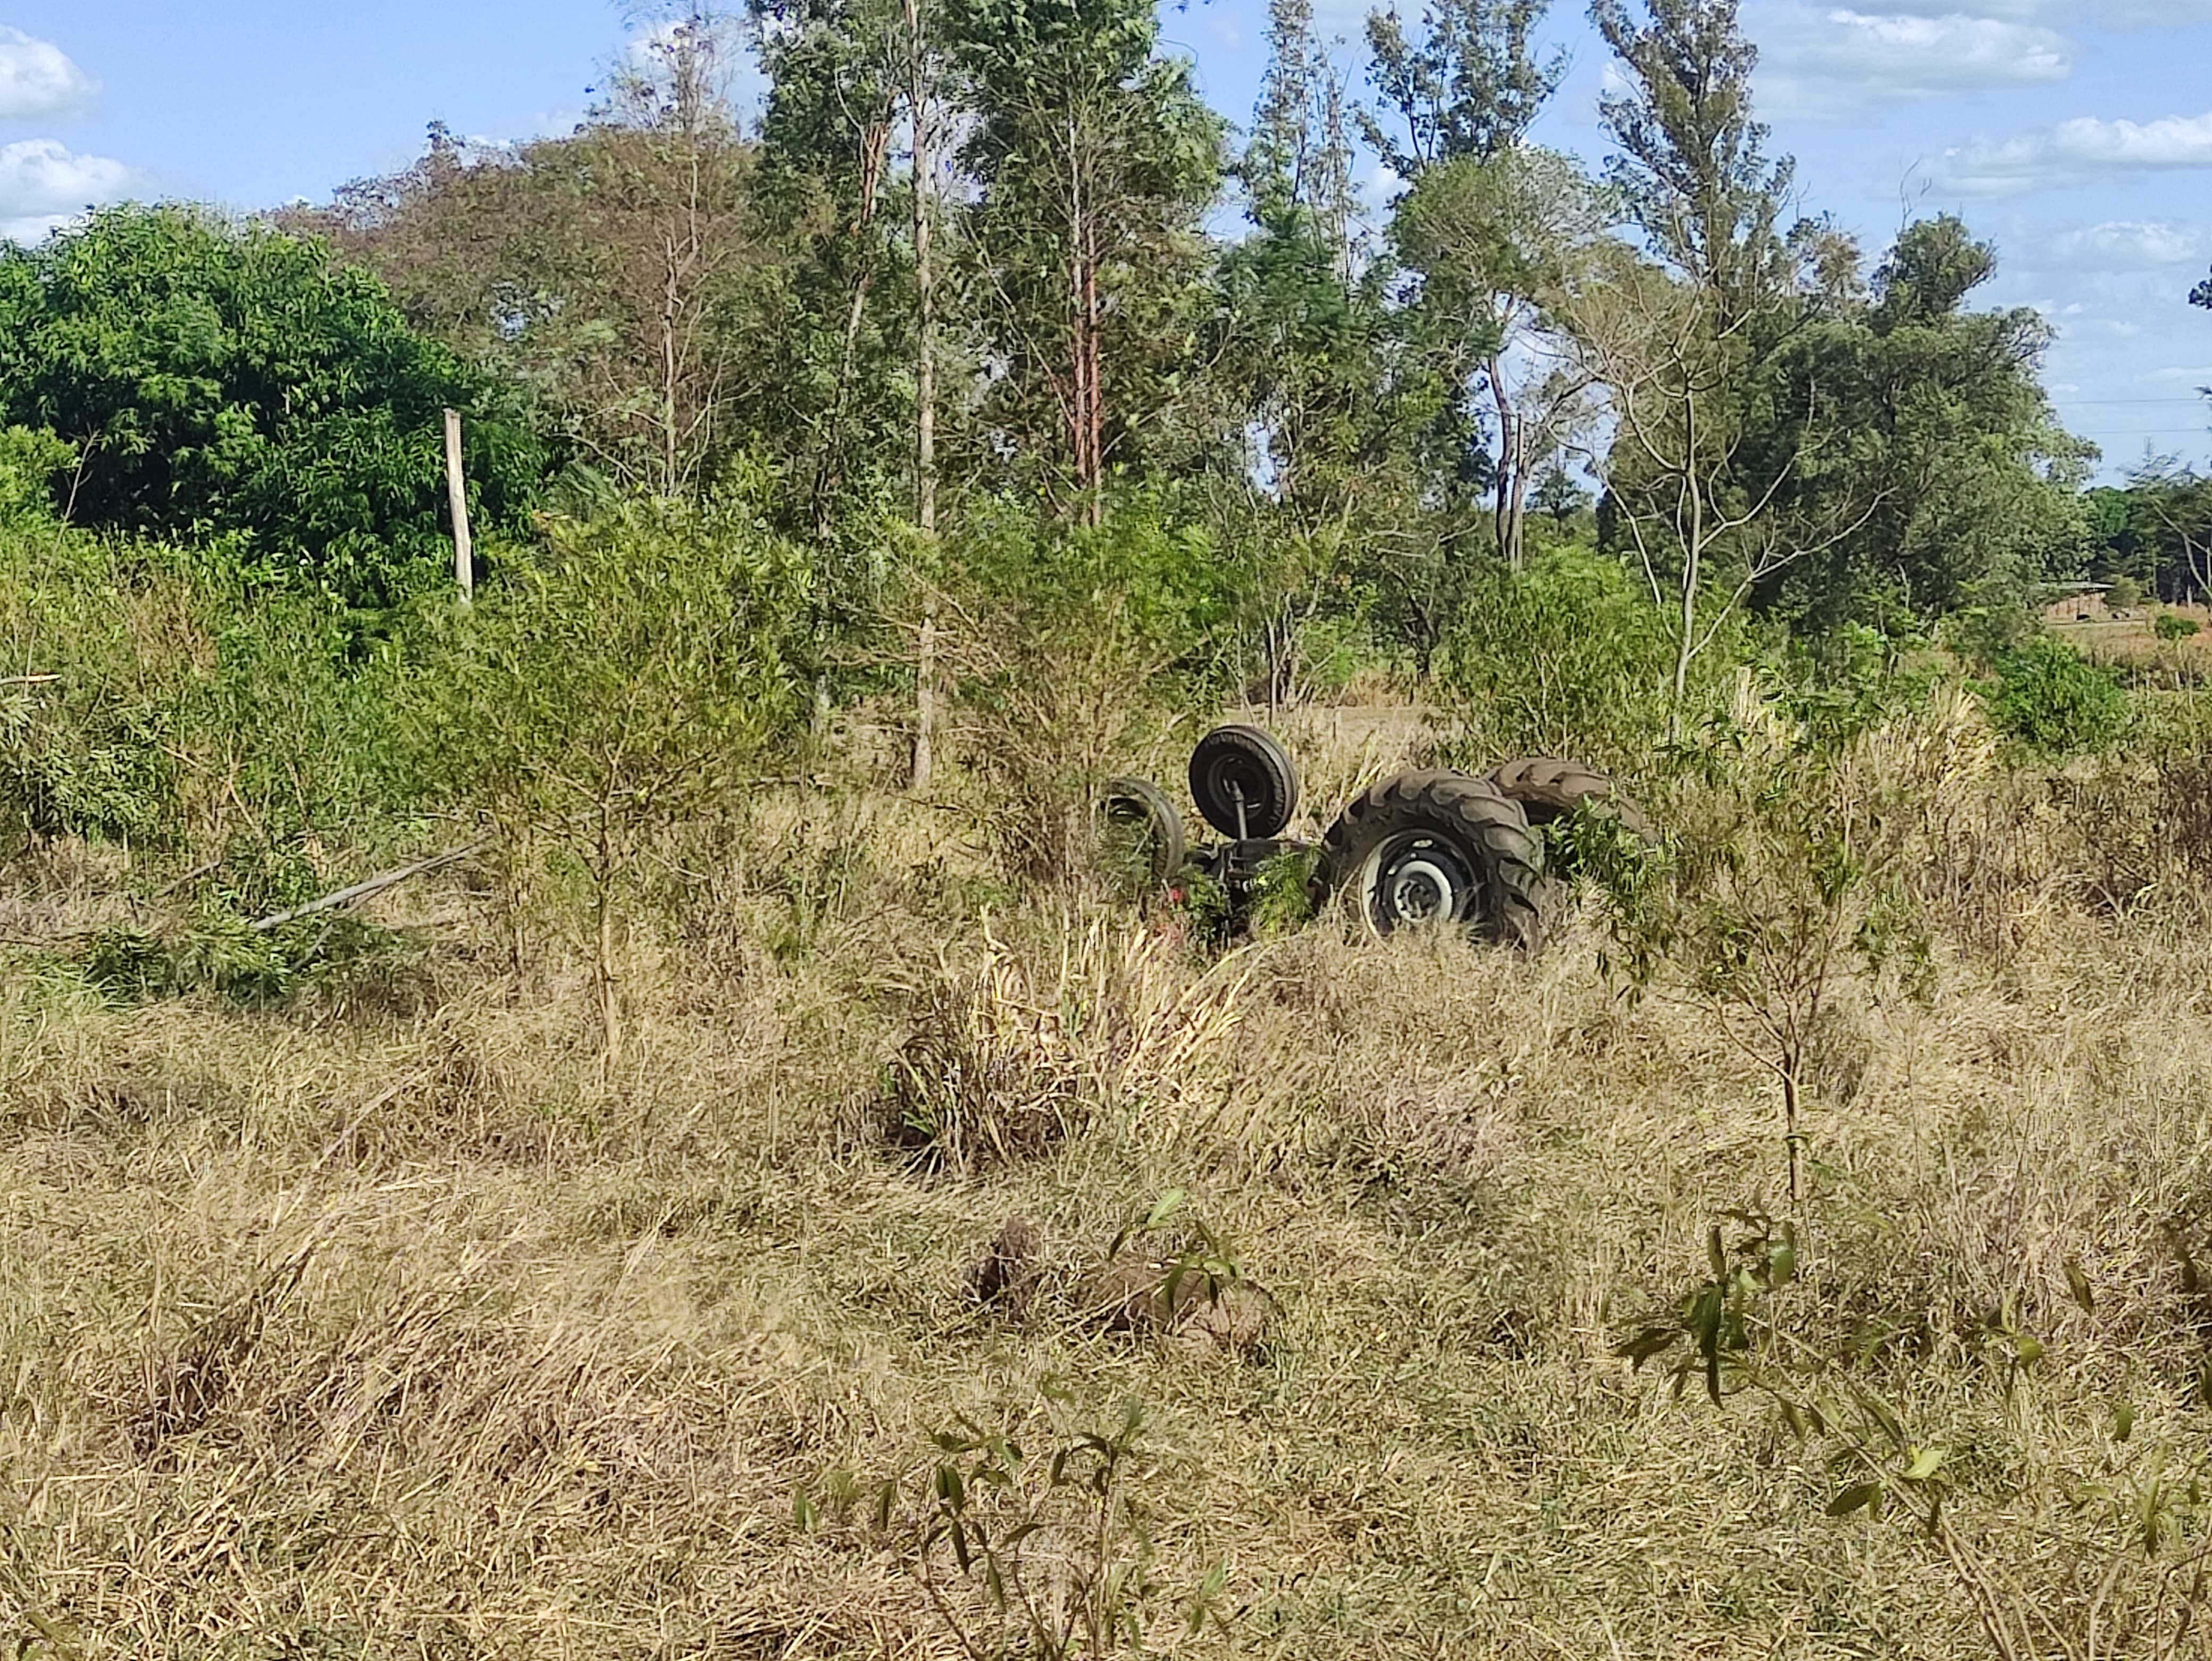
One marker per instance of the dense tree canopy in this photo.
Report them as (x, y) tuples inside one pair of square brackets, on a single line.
[(227, 381)]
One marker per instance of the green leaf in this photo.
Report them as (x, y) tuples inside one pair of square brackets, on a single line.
[(1858, 1497), (1925, 1463), (2078, 1284), (2123, 1421)]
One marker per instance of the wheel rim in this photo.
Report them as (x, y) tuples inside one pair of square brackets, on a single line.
[(1418, 879)]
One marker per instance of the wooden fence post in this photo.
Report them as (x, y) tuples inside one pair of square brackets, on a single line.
[(457, 495)]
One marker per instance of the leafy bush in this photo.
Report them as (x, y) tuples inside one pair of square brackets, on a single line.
[(637, 672), (2047, 698), (30, 458), (1072, 651), (1569, 658), (2171, 625), (156, 705), (226, 385)]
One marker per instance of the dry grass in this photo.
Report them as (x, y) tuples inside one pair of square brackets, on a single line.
[(349, 1334)]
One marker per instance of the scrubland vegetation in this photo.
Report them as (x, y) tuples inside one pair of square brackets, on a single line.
[(621, 1118)]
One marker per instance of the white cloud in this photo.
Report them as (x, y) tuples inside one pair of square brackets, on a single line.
[(36, 79), (42, 184), (2073, 151), (1817, 63), (2124, 244)]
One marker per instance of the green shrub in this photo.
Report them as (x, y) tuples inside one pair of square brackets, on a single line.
[(225, 384), (635, 673), (2047, 698), (2171, 625), (31, 459), (1567, 657), (154, 704), (1072, 651)]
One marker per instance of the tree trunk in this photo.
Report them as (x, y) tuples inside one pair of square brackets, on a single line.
[(1509, 463), (829, 475), (669, 430), (925, 394)]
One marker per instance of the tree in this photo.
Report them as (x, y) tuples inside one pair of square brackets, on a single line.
[(1469, 84), (2202, 293), (220, 381), (1934, 417), (1559, 496), (1690, 160), (1496, 242), (2166, 509), (636, 673), (1300, 156), (1094, 161), (623, 272)]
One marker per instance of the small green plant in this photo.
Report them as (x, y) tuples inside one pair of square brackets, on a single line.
[(1043, 1552), (2171, 626), (1283, 892), (1780, 886), (1740, 1331)]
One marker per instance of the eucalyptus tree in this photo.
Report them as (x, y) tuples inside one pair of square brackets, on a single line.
[(1094, 162)]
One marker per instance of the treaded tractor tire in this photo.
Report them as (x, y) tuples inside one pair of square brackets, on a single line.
[(1231, 758), (1549, 788), (1440, 846), (1140, 811)]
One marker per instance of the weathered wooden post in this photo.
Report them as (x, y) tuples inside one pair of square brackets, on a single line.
[(457, 497)]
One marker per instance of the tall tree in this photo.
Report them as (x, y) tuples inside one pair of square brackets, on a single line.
[(1927, 423), (1300, 156), (1467, 82), (1690, 160), (623, 272), (1496, 242), (835, 71), (1096, 160)]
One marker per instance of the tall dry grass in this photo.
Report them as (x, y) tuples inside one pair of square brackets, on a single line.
[(338, 1331)]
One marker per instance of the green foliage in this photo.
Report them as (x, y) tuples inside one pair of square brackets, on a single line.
[(1073, 650), (2046, 696), (1782, 882), (638, 667), (224, 384), (1919, 433), (1051, 1541), (638, 671), (1469, 84), (31, 459), (1094, 162), (2171, 625), (1569, 658), (160, 707)]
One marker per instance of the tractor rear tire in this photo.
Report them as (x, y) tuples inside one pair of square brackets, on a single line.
[(1550, 789), (1441, 849)]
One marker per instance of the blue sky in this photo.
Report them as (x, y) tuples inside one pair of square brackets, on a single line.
[(2076, 134)]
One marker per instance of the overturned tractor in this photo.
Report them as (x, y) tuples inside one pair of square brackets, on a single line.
[(1431, 848)]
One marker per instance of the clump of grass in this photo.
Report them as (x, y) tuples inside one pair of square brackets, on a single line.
[(1016, 1054)]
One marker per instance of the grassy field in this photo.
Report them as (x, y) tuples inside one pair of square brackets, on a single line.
[(386, 1325)]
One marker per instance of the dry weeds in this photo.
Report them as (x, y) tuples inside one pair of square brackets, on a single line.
[(347, 1333)]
